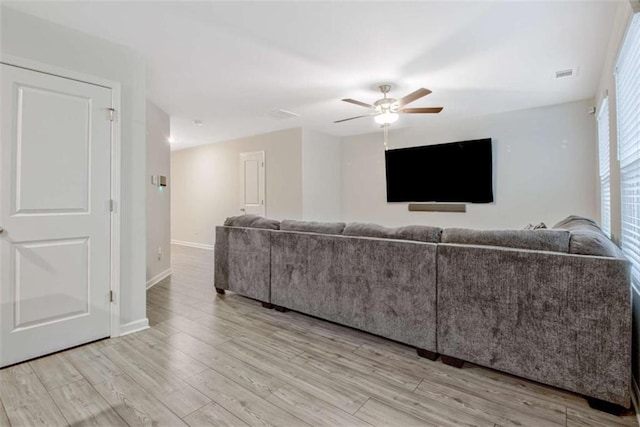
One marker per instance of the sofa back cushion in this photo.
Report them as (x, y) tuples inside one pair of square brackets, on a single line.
[(575, 222), (540, 240), (587, 238), (418, 233), (312, 226), (252, 221)]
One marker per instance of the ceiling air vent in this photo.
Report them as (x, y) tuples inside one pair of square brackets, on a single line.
[(564, 73), (282, 114)]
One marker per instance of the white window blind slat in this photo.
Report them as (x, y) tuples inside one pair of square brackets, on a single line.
[(628, 113), (604, 162)]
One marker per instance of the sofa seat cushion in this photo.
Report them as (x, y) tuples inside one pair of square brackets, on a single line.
[(540, 240), (587, 238), (252, 221), (312, 226), (418, 233)]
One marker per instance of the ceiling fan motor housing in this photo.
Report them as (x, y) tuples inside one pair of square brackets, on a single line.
[(386, 104)]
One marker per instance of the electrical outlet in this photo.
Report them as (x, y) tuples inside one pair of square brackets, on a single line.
[(159, 254)]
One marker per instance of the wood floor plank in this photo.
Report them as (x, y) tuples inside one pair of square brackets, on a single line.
[(157, 314), (245, 405), (429, 409), (502, 396), (408, 380), (501, 414), (378, 414), (177, 395), (305, 340), (279, 321), (25, 399), (81, 405), (354, 336), (242, 373), (526, 390), (162, 354), (314, 382), (175, 307), (166, 329), (474, 386), (94, 366), (55, 371), (197, 330), (593, 418), (136, 405), (313, 411), (213, 415), (4, 420)]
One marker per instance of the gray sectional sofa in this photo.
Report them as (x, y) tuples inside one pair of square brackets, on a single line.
[(550, 305)]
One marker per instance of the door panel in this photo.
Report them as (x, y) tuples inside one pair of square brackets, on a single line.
[(44, 117), (252, 183), (62, 267), (55, 175)]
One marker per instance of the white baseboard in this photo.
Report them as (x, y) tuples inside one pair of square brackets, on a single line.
[(635, 398), (192, 244), (158, 278), (138, 325)]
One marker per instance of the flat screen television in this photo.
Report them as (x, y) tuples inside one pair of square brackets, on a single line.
[(453, 172)]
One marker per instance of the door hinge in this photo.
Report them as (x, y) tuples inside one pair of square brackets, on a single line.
[(113, 114), (262, 164), (111, 298), (111, 205)]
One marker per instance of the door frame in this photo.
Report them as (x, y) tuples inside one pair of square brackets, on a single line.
[(115, 180)]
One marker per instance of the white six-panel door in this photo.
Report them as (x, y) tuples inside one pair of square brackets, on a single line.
[(252, 183), (54, 212)]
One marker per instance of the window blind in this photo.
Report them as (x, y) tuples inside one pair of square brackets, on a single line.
[(628, 112), (604, 166)]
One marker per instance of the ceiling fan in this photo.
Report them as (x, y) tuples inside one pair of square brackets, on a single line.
[(386, 110)]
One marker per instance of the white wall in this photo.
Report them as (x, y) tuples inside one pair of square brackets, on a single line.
[(205, 189), (32, 38), (543, 168), (158, 198), (321, 176)]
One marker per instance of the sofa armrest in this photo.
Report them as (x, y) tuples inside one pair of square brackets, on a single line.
[(561, 319), (242, 261)]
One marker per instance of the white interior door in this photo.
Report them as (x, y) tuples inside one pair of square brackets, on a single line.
[(55, 176), (252, 186)]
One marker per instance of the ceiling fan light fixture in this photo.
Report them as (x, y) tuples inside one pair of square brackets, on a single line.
[(386, 118)]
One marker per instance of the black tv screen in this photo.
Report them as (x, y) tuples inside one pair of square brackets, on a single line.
[(453, 172)]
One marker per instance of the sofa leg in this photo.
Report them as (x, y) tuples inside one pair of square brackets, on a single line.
[(267, 305), (604, 406), (280, 308), (431, 355), (452, 361), (220, 291)]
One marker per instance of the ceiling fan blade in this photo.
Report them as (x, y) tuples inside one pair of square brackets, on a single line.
[(421, 110), (351, 118), (360, 103), (413, 96)]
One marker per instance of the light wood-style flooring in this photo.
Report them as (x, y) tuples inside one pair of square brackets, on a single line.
[(226, 361)]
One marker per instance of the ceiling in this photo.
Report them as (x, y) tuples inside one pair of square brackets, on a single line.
[(230, 64)]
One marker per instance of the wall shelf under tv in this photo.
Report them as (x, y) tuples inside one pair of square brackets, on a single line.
[(437, 207)]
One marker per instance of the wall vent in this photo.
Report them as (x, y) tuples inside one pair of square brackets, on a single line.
[(564, 73), (282, 114)]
